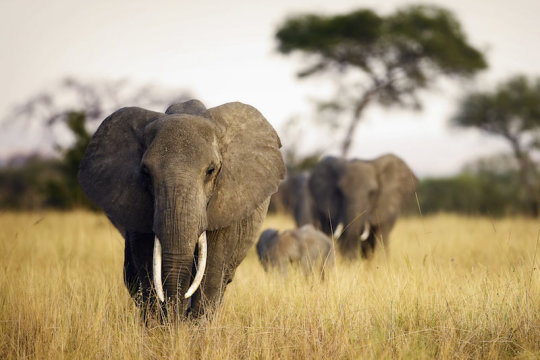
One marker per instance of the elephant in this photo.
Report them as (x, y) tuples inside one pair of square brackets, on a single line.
[(293, 198), (358, 201), (188, 190), (306, 246)]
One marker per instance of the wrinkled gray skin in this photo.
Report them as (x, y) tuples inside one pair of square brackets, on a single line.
[(293, 198), (175, 175), (306, 246), (356, 192)]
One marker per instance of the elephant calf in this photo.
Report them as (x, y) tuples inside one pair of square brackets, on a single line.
[(306, 246)]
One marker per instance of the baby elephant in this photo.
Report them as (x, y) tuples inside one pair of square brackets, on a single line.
[(306, 246)]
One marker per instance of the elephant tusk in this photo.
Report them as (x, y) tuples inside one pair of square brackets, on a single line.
[(156, 263), (200, 269), (365, 234), (339, 230)]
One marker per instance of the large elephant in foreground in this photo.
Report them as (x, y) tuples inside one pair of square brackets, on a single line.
[(359, 200), (188, 189)]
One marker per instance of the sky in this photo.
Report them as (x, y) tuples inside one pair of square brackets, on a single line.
[(223, 51)]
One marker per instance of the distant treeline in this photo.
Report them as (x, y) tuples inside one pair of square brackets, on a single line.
[(34, 182), (473, 194), (37, 183), (488, 186)]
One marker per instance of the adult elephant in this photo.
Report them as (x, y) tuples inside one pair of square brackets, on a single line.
[(188, 189), (293, 198), (359, 200)]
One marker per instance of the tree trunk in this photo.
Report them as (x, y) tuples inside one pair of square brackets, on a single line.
[(349, 135), (528, 179)]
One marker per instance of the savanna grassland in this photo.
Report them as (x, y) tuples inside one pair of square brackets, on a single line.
[(451, 287)]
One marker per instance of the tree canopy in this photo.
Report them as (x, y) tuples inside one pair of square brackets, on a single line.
[(511, 111), (393, 56)]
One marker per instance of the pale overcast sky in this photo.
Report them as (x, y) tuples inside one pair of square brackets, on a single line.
[(224, 51)]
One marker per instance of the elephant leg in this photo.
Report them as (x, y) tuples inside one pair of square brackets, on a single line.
[(378, 238), (384, 233), (220, 268), (327, 261), (306, 264), (226, 250), (138, 267), (212, 285), (349, 245), (131, 278), (283, 267), (326, 224), (368, 246)]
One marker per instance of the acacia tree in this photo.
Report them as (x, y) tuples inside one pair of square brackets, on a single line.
[(511, 111), (73, 109), (386, 59), (52, 109)]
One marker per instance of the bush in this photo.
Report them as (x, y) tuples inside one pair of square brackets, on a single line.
[(468, 193)]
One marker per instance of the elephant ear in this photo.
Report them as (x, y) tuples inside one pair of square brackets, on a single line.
[(324, 187), (252, 165), (397, 183), (110, 174)]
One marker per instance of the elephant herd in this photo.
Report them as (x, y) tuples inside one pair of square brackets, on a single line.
[(189, 189), (354, 202)]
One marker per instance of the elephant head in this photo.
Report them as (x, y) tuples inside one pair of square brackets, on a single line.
[(267, 240), (179, 174), (364, 197)]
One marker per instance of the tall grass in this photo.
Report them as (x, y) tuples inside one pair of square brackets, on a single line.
[(451, 287)]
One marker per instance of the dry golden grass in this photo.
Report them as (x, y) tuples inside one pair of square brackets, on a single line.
[(451, 287)]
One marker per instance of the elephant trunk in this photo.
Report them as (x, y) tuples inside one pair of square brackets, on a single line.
[(157, 264), (177, 234)]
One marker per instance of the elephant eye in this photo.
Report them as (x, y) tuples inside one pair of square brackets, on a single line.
[(210, 170), (145, 170), (147, 179)]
